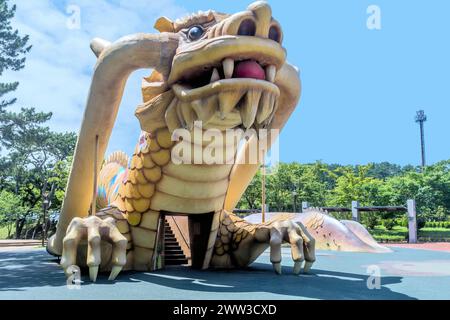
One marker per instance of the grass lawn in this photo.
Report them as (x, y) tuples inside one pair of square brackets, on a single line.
[(397, 234), (400, 234)]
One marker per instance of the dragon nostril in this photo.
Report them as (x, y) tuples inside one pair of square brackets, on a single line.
[(247, 28), (274, 34)]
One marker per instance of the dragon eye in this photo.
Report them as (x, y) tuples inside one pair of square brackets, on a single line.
[(195, 33)]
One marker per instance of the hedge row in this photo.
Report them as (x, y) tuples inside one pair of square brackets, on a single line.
[(437, 224)]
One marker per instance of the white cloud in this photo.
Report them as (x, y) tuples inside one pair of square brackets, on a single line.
[(59, 67)]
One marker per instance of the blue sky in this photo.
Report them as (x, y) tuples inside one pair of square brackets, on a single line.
[(361, 87)]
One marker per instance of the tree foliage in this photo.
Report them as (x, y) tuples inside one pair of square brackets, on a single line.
[(373, 184), (34, 160), (13, 48), (10, 210)]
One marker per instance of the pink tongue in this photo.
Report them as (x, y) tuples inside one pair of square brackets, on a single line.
[(249, 69)]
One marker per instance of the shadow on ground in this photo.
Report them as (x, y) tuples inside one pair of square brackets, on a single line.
[(22, 270), (31, 268), (320, 284)]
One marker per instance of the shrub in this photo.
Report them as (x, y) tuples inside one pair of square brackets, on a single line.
[(403, 221), (420, 223), (430, 224), (371, 221), (437, 224), (389, 224)]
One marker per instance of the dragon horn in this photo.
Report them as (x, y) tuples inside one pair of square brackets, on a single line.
[(115, 63)]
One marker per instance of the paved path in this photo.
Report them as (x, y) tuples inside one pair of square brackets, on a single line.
[(405, 274), (19, 243)]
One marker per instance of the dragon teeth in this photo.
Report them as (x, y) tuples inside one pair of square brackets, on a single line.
[(228, 100), (214, 76), (271, 72), (250, 107), (272, 115), (232, 120), (228, 67), (205, 108), (180, 115), (265, 107), (171, 116), (187, 114)]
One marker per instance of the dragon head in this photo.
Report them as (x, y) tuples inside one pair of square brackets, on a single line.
[(223, 72)]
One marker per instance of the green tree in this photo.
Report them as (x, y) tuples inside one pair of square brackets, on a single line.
[(310, 182), (314, 182), (351, 185), (374, 184), (58, 178), (356, 184), (430, 188), (251, 198), (13, 48), (384, 170), (36, 157), (10, 210)]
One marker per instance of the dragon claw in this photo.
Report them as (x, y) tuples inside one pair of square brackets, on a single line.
[(277, 267), (93, 272), (297, 267), (307, 268), (302, 245), (94, 230), (114, 272)]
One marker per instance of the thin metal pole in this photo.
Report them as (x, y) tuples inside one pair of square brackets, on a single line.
[(421, 118), (263, 193), (94, 191), (422, 143), (44, 227)]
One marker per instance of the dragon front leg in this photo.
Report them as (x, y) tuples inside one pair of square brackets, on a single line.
[(239, 243), (96, 242)]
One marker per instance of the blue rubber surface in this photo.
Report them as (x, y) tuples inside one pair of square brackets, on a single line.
[(405, 274)]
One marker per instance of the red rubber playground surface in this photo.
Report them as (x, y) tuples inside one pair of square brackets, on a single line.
[(435, 246)]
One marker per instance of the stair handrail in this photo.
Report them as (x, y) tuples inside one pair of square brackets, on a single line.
[(178, 227)]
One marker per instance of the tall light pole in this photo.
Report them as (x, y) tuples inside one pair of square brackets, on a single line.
[(421, 118)]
